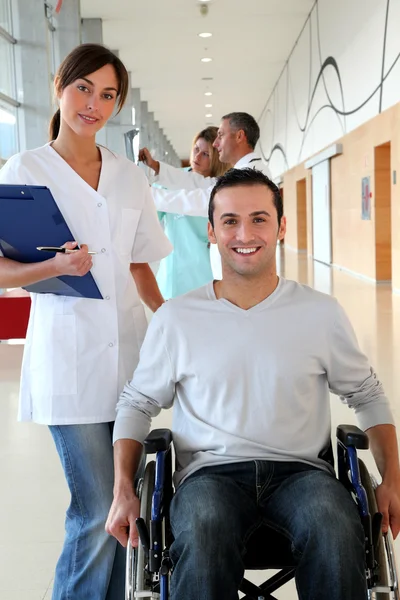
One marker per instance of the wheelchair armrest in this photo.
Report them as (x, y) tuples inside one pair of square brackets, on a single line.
[(157, 440), (350, 435)]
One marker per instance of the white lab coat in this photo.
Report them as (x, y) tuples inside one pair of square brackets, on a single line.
[(189, 194), (79, 352)]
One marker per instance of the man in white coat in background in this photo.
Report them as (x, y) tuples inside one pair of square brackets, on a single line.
[(189, 192)]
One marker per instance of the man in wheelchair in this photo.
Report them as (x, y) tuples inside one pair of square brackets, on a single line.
[(248, 363)]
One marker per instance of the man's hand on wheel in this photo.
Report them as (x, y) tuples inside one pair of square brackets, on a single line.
[(121, 522)]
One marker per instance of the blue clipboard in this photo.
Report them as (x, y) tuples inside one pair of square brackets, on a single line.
[(30, 217)]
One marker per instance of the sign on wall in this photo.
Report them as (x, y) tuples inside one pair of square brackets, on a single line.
[(366, 199)]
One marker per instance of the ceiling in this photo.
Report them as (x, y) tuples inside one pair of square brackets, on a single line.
[(158, 42)]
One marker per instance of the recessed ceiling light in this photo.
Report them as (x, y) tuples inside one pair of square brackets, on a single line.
[(208, 93), (205, 35), (208, 105), (208, 116), (206, 59)]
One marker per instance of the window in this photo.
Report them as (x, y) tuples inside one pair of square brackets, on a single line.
[(7, 68), (8, 103), (5, 15), (8, 130)]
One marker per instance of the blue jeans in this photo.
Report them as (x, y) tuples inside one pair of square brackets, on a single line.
[(92, 564), (215, 511)]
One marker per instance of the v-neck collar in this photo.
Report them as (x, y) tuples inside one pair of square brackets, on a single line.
[(68, 166), (256, 308)]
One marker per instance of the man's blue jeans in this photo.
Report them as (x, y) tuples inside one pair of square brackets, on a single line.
[(92, 563), (215, 511)]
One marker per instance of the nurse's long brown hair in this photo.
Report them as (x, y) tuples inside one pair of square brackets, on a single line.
[(80, 62)]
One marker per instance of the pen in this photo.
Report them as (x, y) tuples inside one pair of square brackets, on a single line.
[(58, 249)]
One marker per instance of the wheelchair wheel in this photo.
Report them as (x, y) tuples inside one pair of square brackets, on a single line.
[(380, 553), (136, 578)]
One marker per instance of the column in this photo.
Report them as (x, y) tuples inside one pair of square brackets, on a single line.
[(120, 124), (92, 31), (144, 131), (150, 129), (67, 33), (136, 106)]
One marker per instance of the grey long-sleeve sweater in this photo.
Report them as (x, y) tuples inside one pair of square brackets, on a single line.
[(249, 384)]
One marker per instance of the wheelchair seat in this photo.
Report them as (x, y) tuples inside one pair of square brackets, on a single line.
[(268, 549), (149, 569)]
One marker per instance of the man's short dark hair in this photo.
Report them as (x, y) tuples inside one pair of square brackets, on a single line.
[(248, 177), (242, 120)]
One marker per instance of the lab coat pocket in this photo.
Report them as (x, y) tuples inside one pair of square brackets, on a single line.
[(64, 356), (129, 224)]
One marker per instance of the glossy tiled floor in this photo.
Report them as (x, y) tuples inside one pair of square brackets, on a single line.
[(33, 493)]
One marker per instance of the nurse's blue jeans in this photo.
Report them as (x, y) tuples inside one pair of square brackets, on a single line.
[(215, 511), (92, 563)]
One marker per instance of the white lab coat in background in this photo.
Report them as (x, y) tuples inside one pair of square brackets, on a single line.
[(79, 352), (189, 194)]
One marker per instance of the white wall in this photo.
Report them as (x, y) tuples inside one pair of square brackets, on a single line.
[(312, 106)]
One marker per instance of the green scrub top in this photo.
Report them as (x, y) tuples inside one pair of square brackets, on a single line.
[(188, 266)]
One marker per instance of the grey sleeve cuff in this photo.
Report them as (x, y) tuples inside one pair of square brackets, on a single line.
[(131, 425), (377, 413)]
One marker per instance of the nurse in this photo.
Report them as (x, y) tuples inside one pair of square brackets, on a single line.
[(79, 352), (188, 266)]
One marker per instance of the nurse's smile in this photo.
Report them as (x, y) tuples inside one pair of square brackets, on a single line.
[(87, 119)]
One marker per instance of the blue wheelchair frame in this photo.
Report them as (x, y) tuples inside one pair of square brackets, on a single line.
[(159, 565)]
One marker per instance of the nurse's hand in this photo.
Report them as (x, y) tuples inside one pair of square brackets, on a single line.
[(121, 522), (146, 157), (76, 263)]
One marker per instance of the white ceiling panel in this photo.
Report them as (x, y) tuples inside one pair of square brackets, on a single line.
[(159, 44)]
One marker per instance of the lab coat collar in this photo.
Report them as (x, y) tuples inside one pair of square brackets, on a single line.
[(245, 160)]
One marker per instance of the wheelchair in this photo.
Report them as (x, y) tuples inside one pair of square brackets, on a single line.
[(148, 567)]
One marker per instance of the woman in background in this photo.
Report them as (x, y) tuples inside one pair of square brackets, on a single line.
[(188, 267)]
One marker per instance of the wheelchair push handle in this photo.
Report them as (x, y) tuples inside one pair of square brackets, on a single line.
[(158, 440), (350, 435)]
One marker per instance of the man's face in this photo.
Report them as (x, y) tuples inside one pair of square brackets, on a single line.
[(246, 229), (226, 142)]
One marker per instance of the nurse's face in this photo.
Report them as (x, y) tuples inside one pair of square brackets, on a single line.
[(88, 103), (200, 160)]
